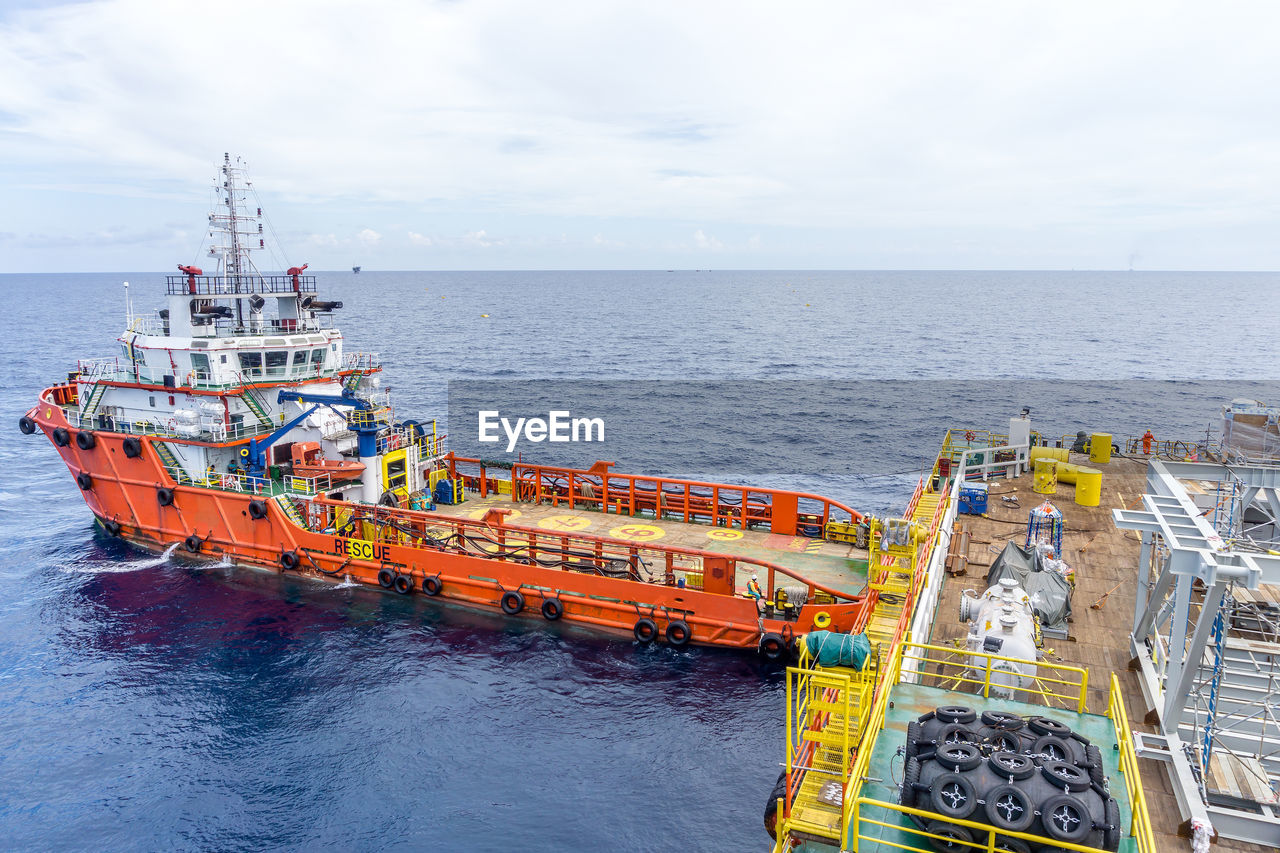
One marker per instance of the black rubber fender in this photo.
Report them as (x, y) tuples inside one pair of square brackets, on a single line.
[(402, 584), (512, 602), (164, 495), (910, 778), (956, 714), (386, 578), (84, 481), (958, 757), (1009, 807), (552, 609), (86, 440), (192, 543), (771, 805), (61, 437), (111, 526), (962, 839), (1066, 818), (645, 630), (1063, 774), (952, 795), (773, 646), (679, 633), (1002, 720), (432, 585), (1012, 765), (132, 447), (257, 510), (1111, 834), (1052, 748), (1047, 726), (289, 560), (27, 425)]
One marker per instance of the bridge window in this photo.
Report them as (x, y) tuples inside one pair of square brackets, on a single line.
[(317, 358), (200, 364), (277, 361), (251, 363)]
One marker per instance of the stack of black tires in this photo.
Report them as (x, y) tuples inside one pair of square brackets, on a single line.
[(1032, 775)]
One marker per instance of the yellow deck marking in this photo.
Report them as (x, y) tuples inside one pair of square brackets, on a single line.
[(638, 532), (565, 522), (724, 534), (813, 546), (477, 514)]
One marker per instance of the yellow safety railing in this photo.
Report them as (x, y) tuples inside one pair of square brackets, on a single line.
[(1051, 681), (874, 725), (891, 819), (1141, 819)]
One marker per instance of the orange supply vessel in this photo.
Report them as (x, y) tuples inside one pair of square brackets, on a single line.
[(235, 425)]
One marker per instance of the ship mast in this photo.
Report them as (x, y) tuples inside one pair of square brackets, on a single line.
[(235, 232)]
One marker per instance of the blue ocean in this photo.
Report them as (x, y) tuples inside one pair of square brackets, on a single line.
[(147, 704)]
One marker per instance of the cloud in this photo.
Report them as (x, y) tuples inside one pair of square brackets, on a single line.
[(369, 238), (420, 239), (322, 239), (479, 238), (703, 241), (824, 119)]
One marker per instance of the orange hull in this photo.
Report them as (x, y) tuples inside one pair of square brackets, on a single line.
[(123, 494)]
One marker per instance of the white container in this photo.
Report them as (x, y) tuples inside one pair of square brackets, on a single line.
[(1001, 622)]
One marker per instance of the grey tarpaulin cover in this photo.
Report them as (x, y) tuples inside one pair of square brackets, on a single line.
[(1049, 591)]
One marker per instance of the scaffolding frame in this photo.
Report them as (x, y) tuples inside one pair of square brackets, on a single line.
[(1206, 696)]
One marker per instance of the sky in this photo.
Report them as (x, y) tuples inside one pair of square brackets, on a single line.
[(647, 135)]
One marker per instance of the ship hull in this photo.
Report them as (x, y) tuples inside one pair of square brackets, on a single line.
[(136, 499)]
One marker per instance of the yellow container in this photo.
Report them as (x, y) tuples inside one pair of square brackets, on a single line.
[(1058, 453), (1066, 472), (1045, 479), (1089, 485), (1100, 450)]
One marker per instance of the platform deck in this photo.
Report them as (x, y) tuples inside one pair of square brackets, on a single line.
[(834, 564), (1105, 560)]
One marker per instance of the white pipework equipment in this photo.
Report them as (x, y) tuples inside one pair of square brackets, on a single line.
[(1001, 622)]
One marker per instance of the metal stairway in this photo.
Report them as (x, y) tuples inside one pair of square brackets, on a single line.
[(171, 462), (91, 405), (291, 510), (255, 405), (827, 707)]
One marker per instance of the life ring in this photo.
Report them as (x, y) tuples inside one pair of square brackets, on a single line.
[(678, 633), (61, 437), (968, 435), (164, 495), (772, 646), (132, 447), (432, 586), (645, 631), (821, 620), (552, 609), (386, 578), (289, 560), (403, 584), (244, 453), (27, 425), (192, 543), (84, 481), (512, 602)]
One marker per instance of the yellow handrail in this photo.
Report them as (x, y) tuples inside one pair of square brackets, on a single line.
[(1141, 818)]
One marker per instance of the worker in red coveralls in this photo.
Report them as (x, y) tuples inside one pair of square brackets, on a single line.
[(1147, 438)]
